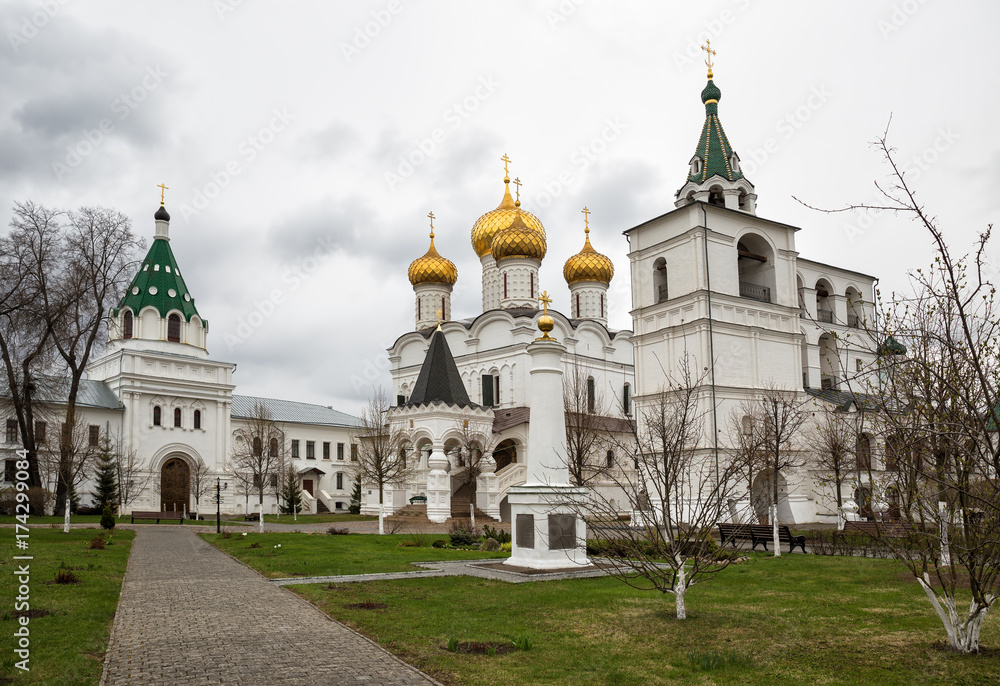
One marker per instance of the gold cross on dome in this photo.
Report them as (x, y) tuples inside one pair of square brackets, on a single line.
[(431, 215), (439, 315), (586, 218), (545, 300), (162, 188), (517, 182), (506, 161), (707, 47)]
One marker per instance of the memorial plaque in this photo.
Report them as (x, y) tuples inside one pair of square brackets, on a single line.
[(525, 531), (562, 531)]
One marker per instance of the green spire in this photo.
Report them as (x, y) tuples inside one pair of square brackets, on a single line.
[(158, 282), (713, 149)]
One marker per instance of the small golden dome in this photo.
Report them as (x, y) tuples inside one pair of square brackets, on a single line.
[(494, 221), (588, 264), (518, 240), (432, 268)]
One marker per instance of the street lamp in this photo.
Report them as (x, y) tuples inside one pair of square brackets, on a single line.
[(219, 488)]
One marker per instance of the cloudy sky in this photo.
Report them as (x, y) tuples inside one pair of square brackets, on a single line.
[(304, 142)]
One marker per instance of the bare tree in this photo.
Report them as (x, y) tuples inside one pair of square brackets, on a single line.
[(474, 446), (242, 482), (776, 416), (258, 450), (70, 458), (381, 450), (938, 377), (746, 452), (586, 425), (133, 477), (834, 438), (201, 483), (676, 491)]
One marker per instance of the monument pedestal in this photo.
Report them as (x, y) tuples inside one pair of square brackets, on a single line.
[(547, 531)]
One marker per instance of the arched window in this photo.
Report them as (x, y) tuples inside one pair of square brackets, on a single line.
[(174, 328), (531, 293), (197, 419), (864, 451), (127, 324), (627, 400), (578, 305), (505, 284), (258, 448), (610, 458), (340, 481), (272, 448), (591, 393), (177, 416), (157, 420), (602, 304), (660, 280), (747, 425)]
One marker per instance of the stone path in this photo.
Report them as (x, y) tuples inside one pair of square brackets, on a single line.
[(449, 568), (190, 614)]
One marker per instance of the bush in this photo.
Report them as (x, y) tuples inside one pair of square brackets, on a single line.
[(462, 534), (490, 545), (255, 544), (8, 501), (65, 576), (334, 531), (107, 518), (506, 547), (227, 534), (439, 543), (97, 543), (830, 542), (499, 534), (39, 499)]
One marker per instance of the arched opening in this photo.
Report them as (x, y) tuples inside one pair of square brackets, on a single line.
[(761, 495), (127, 324), (591, 394), (716, 197), (609, 459), (505, 453), (175, 479), (804, 352), (627, 400), (800, 288), (174, 328), (258, 448), (824, 301), (177, 417), (197, 419), (755, 262), (829, 363), (157, 416), (272, 447), (660, 280), (863, 497), (855, 307), (863, 450)]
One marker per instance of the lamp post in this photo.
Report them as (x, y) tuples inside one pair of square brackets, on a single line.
[(218, 503)]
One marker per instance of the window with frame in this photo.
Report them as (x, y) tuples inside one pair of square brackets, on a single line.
[(610, 459), (93, 435), (491, 390), (310, 450), (258, 446), (326, 450), (127, 324), (12, 431), (340, 451), (591, 394), (274, 480), (627, 400), (354, 452), (295, 448), (272, 447), (174, 328), (177, 417), (40, 428), (197, 419), (157, 418), (9, 470), (340, 481)]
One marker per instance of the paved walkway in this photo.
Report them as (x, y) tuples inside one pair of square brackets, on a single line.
[(190, 614)]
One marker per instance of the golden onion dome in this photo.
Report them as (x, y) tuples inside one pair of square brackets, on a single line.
[(518, 240), (432, 268), (494, 221), (588, 264)]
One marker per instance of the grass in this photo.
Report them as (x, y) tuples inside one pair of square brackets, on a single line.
[(791, 620), (318, 518), (325, 555), (67, 646)]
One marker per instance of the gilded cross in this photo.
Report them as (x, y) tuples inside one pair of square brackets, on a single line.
[(506, 161), (517, 182), (586, 218), (545, 300), (162, 188), (708, 56), (431, 215), (439, 315)]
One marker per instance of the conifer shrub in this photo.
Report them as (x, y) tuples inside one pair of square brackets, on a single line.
[(107, 518)]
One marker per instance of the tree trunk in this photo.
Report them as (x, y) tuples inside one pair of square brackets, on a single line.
[(963, 636), (260, 503), (680, 589), (774, 528), (381, 512), (66, 516)]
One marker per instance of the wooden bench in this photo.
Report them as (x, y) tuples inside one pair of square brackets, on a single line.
[(418, 499), (900, 529), (251, 517), (760, 533), (172, 516), (734, 532)]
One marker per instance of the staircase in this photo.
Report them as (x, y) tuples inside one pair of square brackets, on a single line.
[(321, 506), (414, 517), (460, 501)]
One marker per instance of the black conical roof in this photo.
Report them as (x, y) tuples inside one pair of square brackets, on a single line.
[(439, 380)]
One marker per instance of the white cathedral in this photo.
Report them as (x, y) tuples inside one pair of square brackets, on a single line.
[(708, 277)]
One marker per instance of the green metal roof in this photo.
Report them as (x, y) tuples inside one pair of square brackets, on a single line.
[(159, 284), (713, 149)]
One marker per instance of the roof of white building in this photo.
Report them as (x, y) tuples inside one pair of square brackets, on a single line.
[(291, 411), (55, 391)]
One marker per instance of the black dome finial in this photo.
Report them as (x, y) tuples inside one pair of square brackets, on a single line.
[(162, 214)]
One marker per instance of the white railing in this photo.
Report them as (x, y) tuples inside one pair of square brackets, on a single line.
[(513, 474)]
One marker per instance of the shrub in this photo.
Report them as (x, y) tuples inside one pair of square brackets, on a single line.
[(255, 545), (499, 534), (490, 545), (107, 518), (452, 645), (227, 534), (65, 576), (462, 534), (506, 547), (334, 531), (522, 642), (439, 543), (8, 501), (39, 499), (97, 543)]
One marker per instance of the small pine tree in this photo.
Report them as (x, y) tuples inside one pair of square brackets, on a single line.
[(355, 506), (106, 478), (291, 493), (107, 518)]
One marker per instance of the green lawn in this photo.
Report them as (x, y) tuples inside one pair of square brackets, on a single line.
[(798, 619), (318, 518), (325, 555), (67, 646)]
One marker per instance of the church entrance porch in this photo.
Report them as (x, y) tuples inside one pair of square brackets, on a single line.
[(175, 485)]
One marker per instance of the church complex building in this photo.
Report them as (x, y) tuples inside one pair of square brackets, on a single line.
[(709, 278)]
